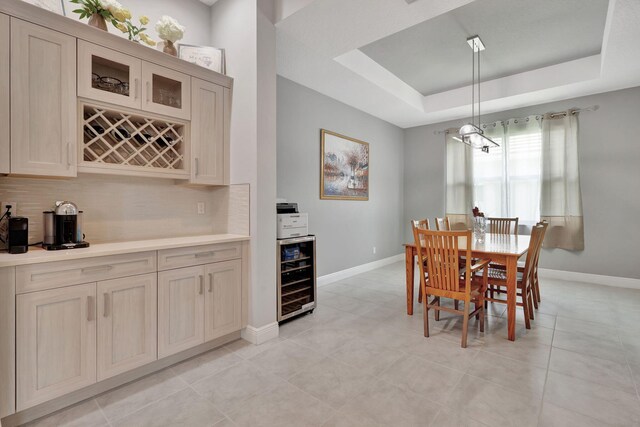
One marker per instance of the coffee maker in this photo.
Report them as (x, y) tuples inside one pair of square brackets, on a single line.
[(63, 227)]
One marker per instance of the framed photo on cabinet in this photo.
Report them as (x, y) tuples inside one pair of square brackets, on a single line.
[(344, 168), (55, 6), (204, 56)]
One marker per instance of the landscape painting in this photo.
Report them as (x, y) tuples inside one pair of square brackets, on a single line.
[(344, 168)]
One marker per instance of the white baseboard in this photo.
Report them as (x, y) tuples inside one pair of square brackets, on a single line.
[(349, 272), (620, 282), (261, 334)]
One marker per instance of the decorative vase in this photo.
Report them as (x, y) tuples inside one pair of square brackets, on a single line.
[(170, 48), (479, 228), (98, 21)]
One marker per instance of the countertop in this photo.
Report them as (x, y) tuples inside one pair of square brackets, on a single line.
[(38, 255)]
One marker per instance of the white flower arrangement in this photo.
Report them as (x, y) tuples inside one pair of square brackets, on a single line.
[(169, 29)]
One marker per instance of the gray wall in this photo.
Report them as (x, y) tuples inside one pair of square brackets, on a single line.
[(346, 230), (609, 170)]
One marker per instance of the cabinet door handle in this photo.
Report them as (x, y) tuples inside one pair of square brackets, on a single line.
[(148, 91), (89, 310), (196, 166), (106, 304), (210, 282), (136, 88), (201, 291), (69, 154)]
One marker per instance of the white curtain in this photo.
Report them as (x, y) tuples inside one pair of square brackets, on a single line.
[(560, 195), (459, 191)]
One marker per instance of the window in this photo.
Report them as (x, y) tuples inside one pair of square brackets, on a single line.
[(506, 181)]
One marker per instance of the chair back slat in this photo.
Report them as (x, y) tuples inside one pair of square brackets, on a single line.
[(422, 224), (537, 233), (503, 225), (544, 226), (439, 253), (442, 224)]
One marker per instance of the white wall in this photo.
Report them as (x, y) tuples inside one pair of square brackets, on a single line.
[(194, 15), (346, 230), (247, 33), (609, 175)]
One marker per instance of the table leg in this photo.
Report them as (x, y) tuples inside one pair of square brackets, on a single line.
[(512, 286), (408, 259)]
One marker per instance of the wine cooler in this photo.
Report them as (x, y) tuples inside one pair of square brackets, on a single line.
[(296, 276)]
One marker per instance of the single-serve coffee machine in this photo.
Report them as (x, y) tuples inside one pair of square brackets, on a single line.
[(63, 227)]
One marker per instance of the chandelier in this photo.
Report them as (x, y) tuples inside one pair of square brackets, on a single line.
[(471, 134)]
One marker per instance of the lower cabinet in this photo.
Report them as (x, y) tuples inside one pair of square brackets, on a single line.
[(223, 302), (127, 332), (180, 309), (191, 311), (55, 343)]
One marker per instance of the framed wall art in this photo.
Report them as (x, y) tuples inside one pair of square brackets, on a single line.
[(344, 168), (204, 56)]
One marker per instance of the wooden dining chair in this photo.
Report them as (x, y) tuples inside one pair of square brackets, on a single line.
[(422, 224), (535, 283), (441, 276), (503, 225), (498, 277), (443, 224)]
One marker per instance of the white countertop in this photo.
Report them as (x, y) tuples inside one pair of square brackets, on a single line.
[(37, 255)]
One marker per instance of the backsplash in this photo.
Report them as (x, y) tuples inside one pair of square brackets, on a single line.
[(118, 208)]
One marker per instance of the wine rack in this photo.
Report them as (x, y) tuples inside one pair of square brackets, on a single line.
[(296, 276), (117, 140)]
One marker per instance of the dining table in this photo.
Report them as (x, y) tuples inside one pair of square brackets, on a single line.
[(502, 249)]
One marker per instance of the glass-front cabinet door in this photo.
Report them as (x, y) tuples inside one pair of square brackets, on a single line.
[(109, 76), (166, 91)]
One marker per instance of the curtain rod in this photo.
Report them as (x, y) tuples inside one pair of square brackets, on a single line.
[(550, 114)]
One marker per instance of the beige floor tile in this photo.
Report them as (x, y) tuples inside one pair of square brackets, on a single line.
[(368, 357), (324, 339), (348, 304), (340, 419), (593, 329), (229, 389), (332, 382), (286, 359), (600, 371), (529, 352), (86, 413), (294, 327), (209, 363), (389, 405), (284, 406), (381, 313), (185, 408), (247, 350), (225, 422), (452, 418), (509, 373), (593, 400), (444, 352), (131, 397), (555, 416), (493, 404), (422, 377), (601, 347)]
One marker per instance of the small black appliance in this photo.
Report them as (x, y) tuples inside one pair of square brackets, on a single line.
[(18, 242)]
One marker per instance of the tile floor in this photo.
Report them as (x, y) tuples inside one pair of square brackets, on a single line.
[(359, 360)]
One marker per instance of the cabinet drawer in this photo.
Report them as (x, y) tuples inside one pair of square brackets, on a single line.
[(197, 255), (64, 273)]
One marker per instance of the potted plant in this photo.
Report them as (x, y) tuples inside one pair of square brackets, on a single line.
[(170, 31), (99, 11)]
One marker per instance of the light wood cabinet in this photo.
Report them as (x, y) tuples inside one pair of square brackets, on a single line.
[(166, 91), (55, 343), (108, 76), (180, 309), (207, 132), (223, 302), (4, 94), (43, 101), (127, 333)]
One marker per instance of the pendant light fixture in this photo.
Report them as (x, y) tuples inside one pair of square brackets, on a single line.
[(471, 134)]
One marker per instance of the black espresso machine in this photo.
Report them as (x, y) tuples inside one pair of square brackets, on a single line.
[(63, 227)]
